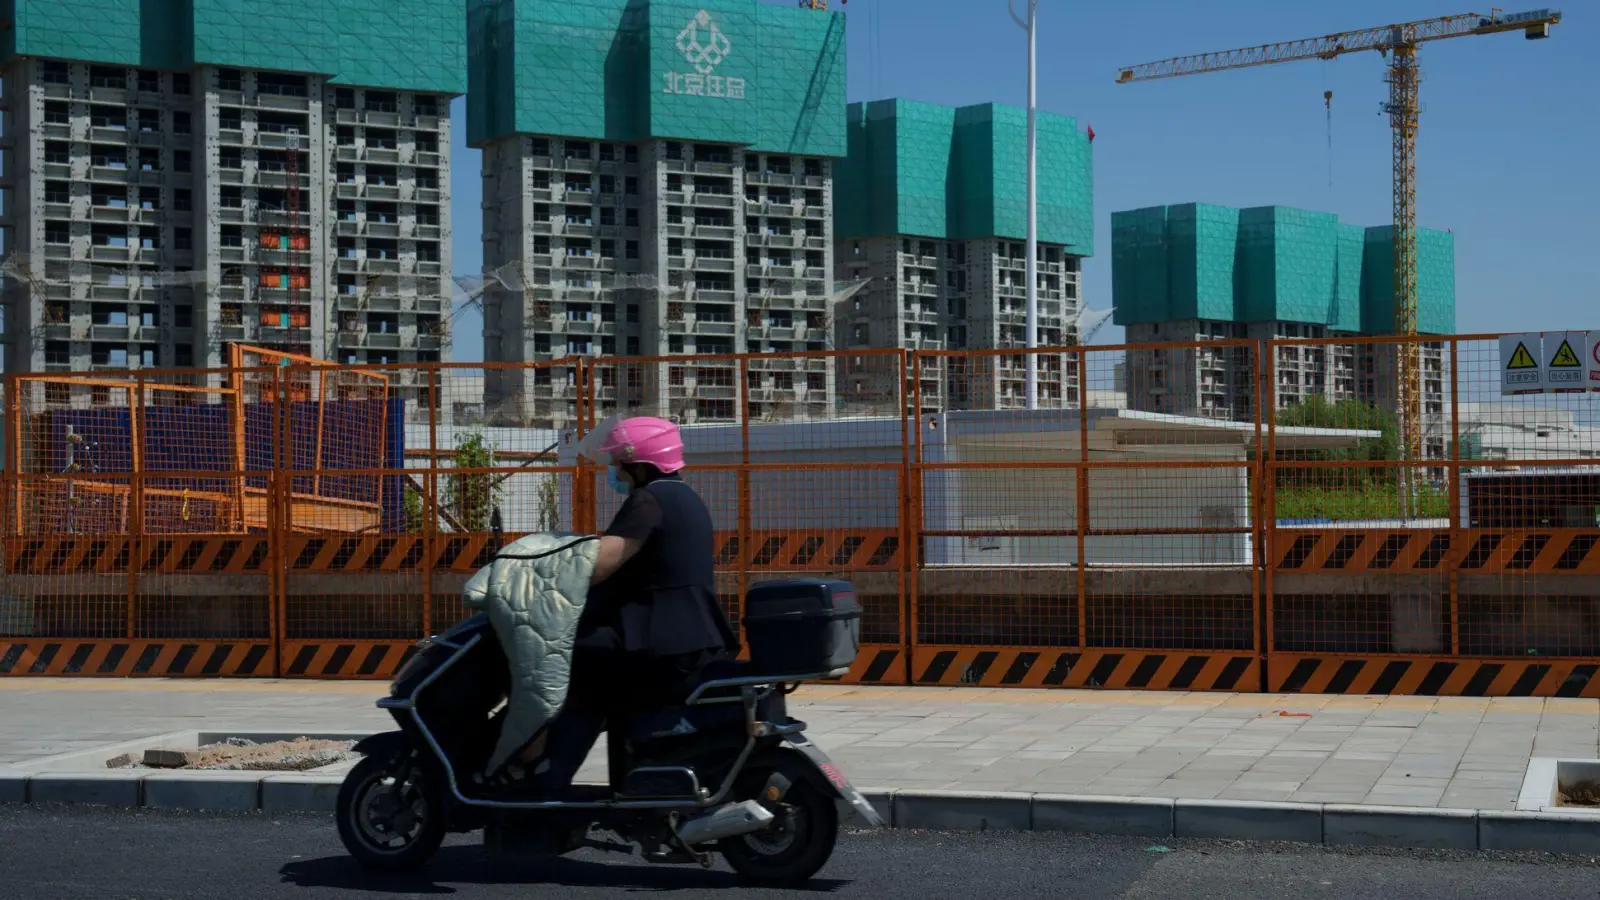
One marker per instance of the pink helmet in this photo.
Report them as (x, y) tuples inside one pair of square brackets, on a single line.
[(644, 439)]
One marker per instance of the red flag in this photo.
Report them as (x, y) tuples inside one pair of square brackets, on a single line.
[(1091, 134)]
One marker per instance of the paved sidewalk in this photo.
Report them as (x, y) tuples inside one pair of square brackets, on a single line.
[(1393, 751)]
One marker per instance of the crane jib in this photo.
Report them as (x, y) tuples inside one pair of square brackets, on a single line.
[(1534, 24)]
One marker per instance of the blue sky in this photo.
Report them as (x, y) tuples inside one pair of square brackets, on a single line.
[(1508, 154)]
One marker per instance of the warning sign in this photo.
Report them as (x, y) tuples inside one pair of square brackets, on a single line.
[(1591, 360), (1563, 367), (1520, 372)]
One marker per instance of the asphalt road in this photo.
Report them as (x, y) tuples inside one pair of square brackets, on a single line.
[(80, 853)]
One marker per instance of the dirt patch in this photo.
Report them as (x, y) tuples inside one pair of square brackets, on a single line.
[(1579, 793), (238, 754)]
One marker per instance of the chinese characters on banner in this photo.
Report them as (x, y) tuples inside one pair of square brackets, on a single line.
[(691, 84)]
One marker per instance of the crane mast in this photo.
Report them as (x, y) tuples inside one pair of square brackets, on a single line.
[(1399, 43), (1403, 110)]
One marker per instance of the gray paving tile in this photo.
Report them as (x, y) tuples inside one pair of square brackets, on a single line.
[(1319, 796), (1405, 796), (1124, 786), (1267, 783), (1498, 797), (1254, 794), (1488, 779), (1188, 790)]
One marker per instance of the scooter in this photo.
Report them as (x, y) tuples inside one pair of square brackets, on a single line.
[(728, 773)]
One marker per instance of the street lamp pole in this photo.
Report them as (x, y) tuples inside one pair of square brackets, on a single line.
[(1032, 289)]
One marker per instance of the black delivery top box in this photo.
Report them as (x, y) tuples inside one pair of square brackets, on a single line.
[(803, 626)]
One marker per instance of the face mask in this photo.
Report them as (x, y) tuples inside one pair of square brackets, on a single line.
[(618, 484)]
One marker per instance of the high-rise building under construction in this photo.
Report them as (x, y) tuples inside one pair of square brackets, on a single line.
[(933, 210), (1198, 272), (657, 181), (184, 173)]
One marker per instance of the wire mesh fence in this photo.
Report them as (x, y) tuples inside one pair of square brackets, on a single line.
[(1218, 514)]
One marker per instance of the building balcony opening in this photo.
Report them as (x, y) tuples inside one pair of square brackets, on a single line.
[(108, 77), (713, 153), (382, 101), (108, 156), (282, 84), (282, 123)]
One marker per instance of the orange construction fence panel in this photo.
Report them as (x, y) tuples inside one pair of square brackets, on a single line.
[(1256, 527)]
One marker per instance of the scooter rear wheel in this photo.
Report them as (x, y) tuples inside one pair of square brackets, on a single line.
[(390, 815), (797, 845)]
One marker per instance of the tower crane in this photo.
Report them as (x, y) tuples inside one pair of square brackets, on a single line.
[(1399, 43)]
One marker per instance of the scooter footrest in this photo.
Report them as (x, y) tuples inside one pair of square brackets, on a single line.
[(662, 781)]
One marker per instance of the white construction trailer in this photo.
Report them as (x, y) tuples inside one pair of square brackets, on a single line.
[(993, 483)]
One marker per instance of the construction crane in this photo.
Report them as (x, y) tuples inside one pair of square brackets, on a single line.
[(1399, 43)]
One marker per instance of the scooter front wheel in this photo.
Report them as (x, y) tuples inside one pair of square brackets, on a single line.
[(798, 843), (391, 816)]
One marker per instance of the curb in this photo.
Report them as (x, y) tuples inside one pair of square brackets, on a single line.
[(1569, 832), (1147, 817)]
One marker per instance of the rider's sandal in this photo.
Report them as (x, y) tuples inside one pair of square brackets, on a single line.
[(517, 775), (514, 777)]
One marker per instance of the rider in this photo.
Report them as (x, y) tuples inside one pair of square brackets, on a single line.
[(652, 621)]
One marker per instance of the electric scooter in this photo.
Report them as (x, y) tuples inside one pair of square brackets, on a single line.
[(729, 772)]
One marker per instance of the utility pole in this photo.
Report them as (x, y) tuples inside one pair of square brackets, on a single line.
[(1029, 25)]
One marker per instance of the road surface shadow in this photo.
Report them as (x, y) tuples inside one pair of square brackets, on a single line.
[(469, 865)]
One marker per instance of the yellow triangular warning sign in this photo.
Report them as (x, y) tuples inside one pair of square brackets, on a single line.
[(1565, 358), (1522, 359)]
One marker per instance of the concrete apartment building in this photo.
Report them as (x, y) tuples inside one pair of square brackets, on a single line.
[(184, 173), (660, 177), (1198, 272), (933, 209)]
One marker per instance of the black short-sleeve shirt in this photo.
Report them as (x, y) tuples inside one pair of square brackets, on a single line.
[(663, 601), (638, 518)]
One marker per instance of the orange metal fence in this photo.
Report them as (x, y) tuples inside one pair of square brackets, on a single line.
[(1221, 515)]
